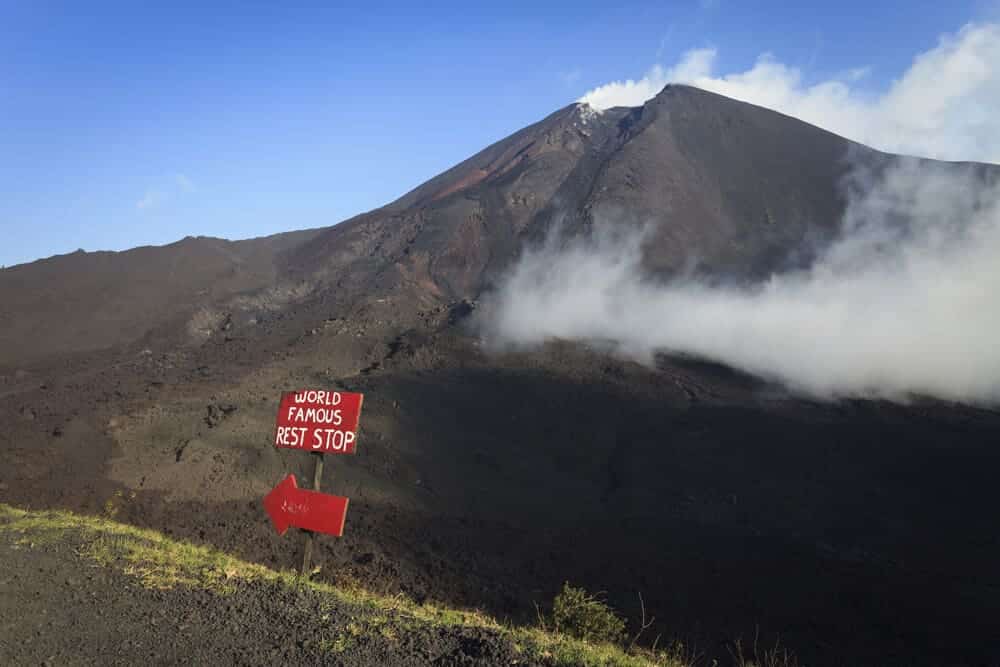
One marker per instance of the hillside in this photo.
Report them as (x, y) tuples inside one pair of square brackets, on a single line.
[(93, 300), (857, 532)]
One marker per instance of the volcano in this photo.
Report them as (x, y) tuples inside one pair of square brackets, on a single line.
[(855, 532)]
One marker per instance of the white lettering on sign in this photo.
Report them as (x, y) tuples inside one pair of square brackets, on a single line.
[(333, 439), (317, 396), (293, 507), (319, 415), (290, 436)]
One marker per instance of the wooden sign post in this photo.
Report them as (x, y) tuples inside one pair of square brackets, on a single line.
[(319, 422), (317, 481)]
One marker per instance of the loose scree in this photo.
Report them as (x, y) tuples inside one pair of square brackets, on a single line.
[(318, 421)]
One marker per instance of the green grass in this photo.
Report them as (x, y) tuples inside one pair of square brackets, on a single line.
[(157, 561)]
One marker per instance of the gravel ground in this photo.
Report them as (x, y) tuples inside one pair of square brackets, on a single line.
[(59, 608)]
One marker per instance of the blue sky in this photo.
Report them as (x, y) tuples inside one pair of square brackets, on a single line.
[(125, 125)]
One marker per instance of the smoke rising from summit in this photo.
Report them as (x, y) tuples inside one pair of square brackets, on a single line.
[(941, 106), (906, 302)]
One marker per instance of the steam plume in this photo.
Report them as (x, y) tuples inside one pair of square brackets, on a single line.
[(941, 106), (906, 302)]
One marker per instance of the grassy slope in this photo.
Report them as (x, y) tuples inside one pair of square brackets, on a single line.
[(160, 562)]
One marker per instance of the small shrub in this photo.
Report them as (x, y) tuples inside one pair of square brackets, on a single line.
[(778, 656), (113, 504), (576, 612)]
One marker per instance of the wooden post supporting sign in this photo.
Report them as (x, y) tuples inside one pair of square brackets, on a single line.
[(317, 481)]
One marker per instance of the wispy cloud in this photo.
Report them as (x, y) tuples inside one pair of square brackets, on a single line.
[(664, 40), (943, 106), (149, 200), (571, 77), (177, 185), (184, 183)]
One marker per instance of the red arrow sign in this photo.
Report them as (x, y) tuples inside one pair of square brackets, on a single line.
[(288, 505)]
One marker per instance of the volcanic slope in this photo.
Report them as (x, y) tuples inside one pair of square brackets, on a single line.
[(858, 532), (89, 301)]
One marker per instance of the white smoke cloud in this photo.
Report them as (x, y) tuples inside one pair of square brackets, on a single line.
[(889, 311), (944, 106)]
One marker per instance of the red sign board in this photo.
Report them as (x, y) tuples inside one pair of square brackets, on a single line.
[(316, 420), (288, 505)]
